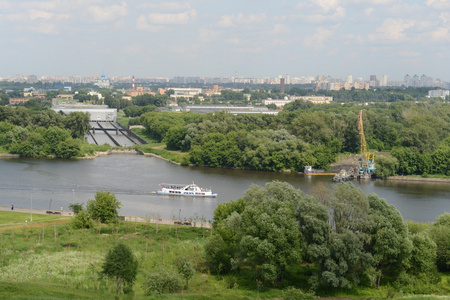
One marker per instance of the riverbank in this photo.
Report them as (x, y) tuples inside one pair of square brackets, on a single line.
[(62, 212), (421, 179)]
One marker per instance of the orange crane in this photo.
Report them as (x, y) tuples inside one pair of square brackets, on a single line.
[(367, 159)]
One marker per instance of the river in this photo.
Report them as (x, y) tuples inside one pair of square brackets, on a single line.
[(55, 184)]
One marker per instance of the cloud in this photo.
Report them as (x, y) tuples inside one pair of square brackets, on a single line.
[(393, 30), (228, 21), (142, 24), (376, 2), (167, 6), (280, 28), (321, 34), (328, 5), (323, 13), (133, 49), (438, 4), (207, 35), (44, 28), (441, 34), (368, 11), (182, 18), (102, 14)]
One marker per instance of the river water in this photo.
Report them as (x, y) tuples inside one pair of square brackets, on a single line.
[(54, 184)]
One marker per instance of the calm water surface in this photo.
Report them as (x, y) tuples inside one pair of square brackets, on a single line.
[(52, 184)]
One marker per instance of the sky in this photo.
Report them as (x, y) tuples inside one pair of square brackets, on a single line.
[(225, 38)]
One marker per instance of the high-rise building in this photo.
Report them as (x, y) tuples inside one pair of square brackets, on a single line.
[(383, 80), (349, 79), (288, 79), (282, 85)]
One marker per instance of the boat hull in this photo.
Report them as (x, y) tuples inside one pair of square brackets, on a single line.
[(169, 193)]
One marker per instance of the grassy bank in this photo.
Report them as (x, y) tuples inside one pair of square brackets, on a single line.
[(53, 261)]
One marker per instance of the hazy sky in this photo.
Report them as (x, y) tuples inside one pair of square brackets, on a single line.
[(217, 38)]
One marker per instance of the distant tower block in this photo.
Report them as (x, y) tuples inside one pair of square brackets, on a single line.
[(132, 83), (282, 85)]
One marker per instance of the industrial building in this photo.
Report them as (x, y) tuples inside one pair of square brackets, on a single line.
[(97, 114)]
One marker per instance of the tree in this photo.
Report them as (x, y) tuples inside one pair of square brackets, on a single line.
[(76, 207), (185, 268), (78, 123), (104, 207), (389, 243), (440, 233), (121, 264), (270, 236), (68, 148), (386, 166)]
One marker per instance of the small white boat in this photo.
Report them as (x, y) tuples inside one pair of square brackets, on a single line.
[(184, 190)]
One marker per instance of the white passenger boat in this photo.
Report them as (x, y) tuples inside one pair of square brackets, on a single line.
[(184, 190)]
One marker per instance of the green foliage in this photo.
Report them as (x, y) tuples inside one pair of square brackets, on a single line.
[(69, 148), (314, 135), (76, 207), (440, 233), (104, 208), (82, 220), (185, 268), (292, 293), (423, 254), (78, 123), (389, 245), (121, 265), (161, 281), (386, 166)]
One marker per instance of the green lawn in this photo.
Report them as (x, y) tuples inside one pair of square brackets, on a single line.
[(54, 261), (14, 218)]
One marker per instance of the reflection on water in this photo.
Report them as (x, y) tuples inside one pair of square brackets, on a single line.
[(135, 178)]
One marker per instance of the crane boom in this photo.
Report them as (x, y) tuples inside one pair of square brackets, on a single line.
[(367, 159)]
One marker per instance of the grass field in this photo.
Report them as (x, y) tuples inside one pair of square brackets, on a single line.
[(52, 261)]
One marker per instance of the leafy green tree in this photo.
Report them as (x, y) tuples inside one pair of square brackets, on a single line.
[(440, 233), (270, 236), (423, 255), (68, 148), (174, 138), (386, 166), (162, 280), (185, 268), (82, 220), (121, 264), (389, 244), (54, 135), (76, 207), (104, 207), (78, 123)]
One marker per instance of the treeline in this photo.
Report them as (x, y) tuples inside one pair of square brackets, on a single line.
[(331, 239), (42, 133), (417, 135)]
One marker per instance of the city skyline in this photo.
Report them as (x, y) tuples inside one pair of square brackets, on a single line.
[(224, 39)]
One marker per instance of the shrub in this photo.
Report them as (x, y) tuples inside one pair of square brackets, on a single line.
[(104, 208), (185, 267), (162, 281), (292, 293), (82, 220), (121, 264)]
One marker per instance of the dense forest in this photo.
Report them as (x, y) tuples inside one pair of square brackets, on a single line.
[(333, 239), (413, 130), (42, 132), (416, 134)]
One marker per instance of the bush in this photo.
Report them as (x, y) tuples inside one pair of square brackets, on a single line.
[(82, 220), (185, 268), (104, 208), (162, 281), (292, 293)]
